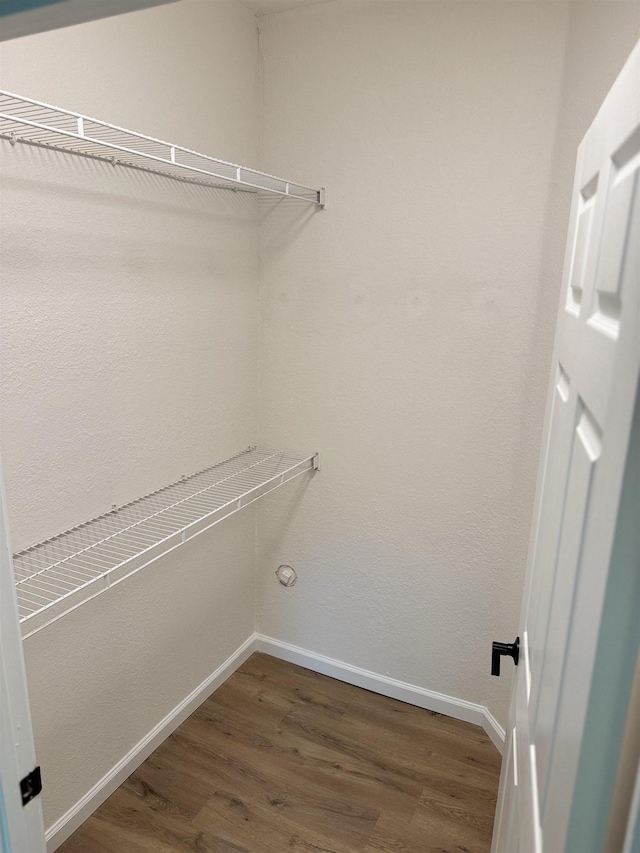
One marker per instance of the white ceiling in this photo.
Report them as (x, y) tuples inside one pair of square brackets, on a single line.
[(264, 7)]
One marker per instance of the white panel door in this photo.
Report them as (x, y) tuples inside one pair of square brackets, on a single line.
[(21, 826), (589, 420)]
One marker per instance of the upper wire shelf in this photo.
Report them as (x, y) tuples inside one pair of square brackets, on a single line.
[(25, 120), (63, 572)]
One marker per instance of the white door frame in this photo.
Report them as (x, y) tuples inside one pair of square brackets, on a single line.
[(21, 826), (41, 15)]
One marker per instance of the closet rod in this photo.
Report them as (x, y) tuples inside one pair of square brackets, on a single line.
[(62, 573), (26, 120)]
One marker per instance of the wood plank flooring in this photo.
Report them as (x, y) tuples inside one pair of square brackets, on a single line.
[(282, 759)]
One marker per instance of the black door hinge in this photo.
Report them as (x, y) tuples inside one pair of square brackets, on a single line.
[(31, 786)]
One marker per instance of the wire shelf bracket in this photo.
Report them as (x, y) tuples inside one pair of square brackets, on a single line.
[(56, 576), (36, 123)]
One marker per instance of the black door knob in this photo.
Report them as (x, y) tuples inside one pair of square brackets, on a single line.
[(499, 649)]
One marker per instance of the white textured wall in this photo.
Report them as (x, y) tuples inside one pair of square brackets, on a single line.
[(128, 358), (406, 331), (396, 326)]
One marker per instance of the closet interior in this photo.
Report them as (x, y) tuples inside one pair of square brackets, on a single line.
[(166, 312)]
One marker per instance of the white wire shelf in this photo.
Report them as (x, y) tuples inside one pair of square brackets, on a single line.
[(63, 572), (25, 120)]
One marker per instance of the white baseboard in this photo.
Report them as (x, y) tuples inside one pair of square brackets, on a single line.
[(78, 813), (405, 692), (495, 731), (410, 693)]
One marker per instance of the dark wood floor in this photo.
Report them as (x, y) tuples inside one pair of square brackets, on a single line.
[(282, 759)]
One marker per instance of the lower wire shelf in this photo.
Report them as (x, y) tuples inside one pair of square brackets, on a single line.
[(58, 575)]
